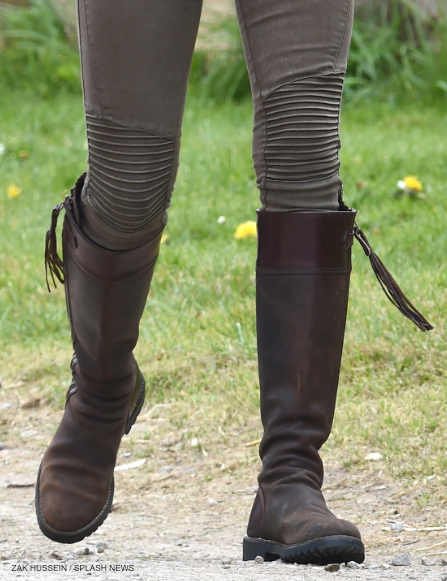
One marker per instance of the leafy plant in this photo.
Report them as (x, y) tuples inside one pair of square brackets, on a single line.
[(36, 52), (396, 49), (219, 68), (391, 50)]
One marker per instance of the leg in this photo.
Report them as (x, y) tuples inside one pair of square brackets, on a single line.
[(296, 54), (135, 59)]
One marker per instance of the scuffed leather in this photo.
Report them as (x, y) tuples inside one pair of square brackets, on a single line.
[(106, 293), (302, 296)]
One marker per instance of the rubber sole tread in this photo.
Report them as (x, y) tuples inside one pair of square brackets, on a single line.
[(323, 551)]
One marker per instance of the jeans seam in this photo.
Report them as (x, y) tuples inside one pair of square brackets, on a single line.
[(342, 36), (89, 44), (121, 124), (299, 79), (250, 53)]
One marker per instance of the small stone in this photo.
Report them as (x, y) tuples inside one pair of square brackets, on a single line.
[(444, 578), (101, 547), (82, 551), (3, 446), (226, 566), (443, 562), (212, 501), (165, 469), (428, 562), (5, 406), (354, 565), (259, 560), (373, 566), (332, 568), (226, 561), (374, 456), (403, 560), (194, 442), (397, 527), (189, 470), (56, 555), (127, 454), (179, 543), (28, 434), (130, 465)]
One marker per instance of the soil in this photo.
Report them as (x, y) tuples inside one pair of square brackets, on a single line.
[(183, 510)]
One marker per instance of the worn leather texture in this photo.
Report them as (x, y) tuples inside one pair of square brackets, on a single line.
[(106, 293), (302, 296)]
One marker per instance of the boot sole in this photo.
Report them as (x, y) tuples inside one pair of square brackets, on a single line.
[(76, 536), (323, 551)]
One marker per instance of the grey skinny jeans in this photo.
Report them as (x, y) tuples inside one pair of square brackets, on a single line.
[(136, 57)]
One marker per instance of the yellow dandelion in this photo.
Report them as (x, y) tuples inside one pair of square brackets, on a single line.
[(14, 191), (246, 230), (413, 183), (164, 237)]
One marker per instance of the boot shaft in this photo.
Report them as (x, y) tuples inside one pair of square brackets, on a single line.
[(302, 285)]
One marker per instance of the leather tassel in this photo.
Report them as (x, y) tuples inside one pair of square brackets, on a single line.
[(390, 286), (53, 264)]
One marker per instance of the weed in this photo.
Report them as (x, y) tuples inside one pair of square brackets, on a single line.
[(36, 53)]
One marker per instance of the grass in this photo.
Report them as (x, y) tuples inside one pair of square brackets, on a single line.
[(197, 344)]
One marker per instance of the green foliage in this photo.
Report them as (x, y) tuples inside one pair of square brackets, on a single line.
[(396, 50), (197, 342), (220, 72), (36, 52)]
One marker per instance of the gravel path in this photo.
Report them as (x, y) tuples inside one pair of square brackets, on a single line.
[(187, 570), (179, 515)]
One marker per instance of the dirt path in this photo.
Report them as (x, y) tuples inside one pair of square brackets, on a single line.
[(182, 511)]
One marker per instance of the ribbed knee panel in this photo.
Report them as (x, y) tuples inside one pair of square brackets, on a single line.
[(302, 142), (129, 174), (302, 139)]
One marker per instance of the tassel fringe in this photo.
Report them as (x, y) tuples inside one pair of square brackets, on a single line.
[(390, 286), (54, 267)]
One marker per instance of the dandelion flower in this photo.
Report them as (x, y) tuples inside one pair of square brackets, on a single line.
[(412, 183), (246, 230), (14, 191), (164, 237)]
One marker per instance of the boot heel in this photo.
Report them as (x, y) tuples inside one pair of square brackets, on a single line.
[(252, 548)]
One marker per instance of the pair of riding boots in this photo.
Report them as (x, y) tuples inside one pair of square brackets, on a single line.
[(303, 270)]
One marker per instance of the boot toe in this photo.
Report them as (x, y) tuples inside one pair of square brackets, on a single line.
[(66, 509), (318, 528)]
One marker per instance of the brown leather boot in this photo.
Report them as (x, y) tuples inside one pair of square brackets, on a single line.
[(106, 293), (303, 270)]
